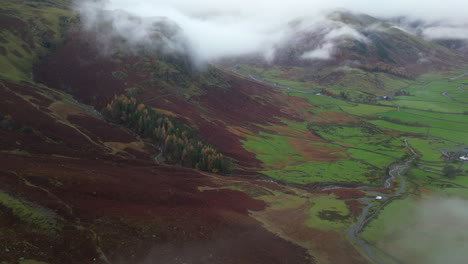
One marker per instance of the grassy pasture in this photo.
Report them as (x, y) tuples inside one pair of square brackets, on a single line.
[(328, 213), (423, 121), (455, 136), (447, 117), (376, 159), (365, 110), (429, 148), (436, 106), (339, 171), (272, 149)]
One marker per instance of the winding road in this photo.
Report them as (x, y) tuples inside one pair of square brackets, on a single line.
[(260, 80), (460, 88), (394, 173)]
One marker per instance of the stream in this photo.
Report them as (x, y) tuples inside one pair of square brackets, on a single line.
[(395, 173)]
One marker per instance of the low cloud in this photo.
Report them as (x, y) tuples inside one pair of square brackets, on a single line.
[(208, 30), (436, 235), (325, 52), (446, 32), (336, 31)]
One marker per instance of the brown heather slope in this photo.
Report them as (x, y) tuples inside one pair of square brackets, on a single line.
[(80, 68), (76, 189), (65, 196), (135, 212)]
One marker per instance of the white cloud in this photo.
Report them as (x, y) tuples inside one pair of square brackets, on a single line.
[(446, 32), (325, 52), (211, 29), (335, 31)]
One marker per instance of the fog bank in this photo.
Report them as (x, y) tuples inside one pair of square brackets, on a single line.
[(210, 29)]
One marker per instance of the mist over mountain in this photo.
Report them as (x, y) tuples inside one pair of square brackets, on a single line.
[(452, 34), (209, 30)]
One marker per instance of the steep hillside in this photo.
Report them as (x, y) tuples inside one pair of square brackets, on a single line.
[(77, 187), (352, 53), (114, 151), (219, 106), (29, 31)]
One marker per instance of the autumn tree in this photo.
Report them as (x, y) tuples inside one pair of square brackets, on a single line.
[(177, 141)]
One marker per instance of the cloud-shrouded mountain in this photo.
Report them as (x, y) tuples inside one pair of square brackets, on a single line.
[(121, 120), (209, 31), (354, 52), (451, 34), (326, 44)]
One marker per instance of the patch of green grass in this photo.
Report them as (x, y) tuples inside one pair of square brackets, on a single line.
[(428, 148), (339, 171), (272, 149), (366, 110), (458, 192), (430, 91), (461, 96), (447, 117), (454, 136), (37, 217), (375, 159), (328, 213), (437, 106), (461, 179), (376, 83), (422, 121), (394, 217), (435, 181), (422, 177), (393, 147), (348, 134)]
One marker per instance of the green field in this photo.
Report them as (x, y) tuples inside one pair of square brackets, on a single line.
[(436, 106), (327, 213), (434, 124), (429, 149), (375, 159), (272, 149), (395, 216), (460, 96), (422, 121), (460, 118), (339, 171), (365, 110)]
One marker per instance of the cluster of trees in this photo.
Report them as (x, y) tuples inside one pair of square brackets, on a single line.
[(402, 93), (403, 122), (328, 93), (387, 68), (449, 172), (176, 141)]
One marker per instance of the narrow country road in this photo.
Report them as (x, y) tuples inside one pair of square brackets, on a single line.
[(460, 88), (260, 80), (458, 76), (394, 173)]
